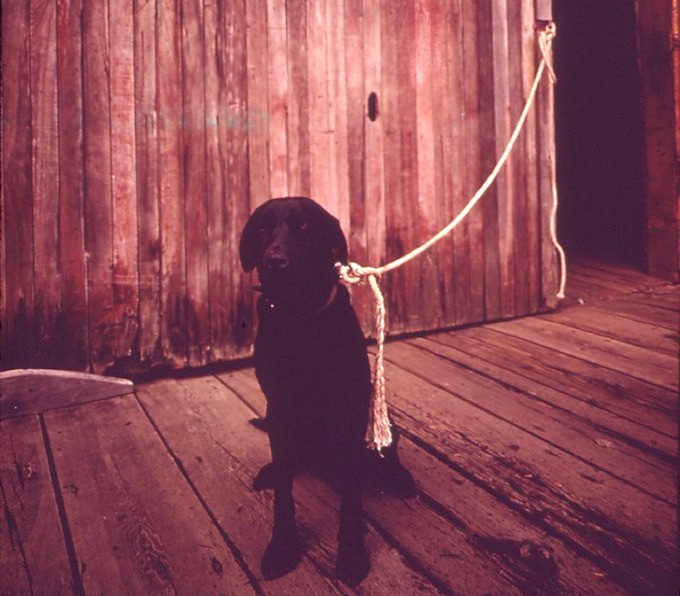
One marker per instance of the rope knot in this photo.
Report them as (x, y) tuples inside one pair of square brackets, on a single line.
[(545, 40), (353, 273)]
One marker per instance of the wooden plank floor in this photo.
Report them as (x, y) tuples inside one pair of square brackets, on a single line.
[(544, 449)]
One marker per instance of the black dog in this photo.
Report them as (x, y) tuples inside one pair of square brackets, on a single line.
[(311, 362)]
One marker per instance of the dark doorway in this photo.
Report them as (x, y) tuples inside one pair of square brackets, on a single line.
[(599, 130)]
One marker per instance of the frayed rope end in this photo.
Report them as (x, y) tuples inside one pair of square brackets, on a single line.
[(378, 431)]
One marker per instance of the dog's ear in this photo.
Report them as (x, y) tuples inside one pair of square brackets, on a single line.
[(249, 246), (337, 241)]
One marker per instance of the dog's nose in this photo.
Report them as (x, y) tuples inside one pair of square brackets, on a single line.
[(276, 260)]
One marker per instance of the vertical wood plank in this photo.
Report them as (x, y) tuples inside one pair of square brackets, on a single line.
[(389, 51), (425, 130), (277, 73), (545, 101), (258, 106), (460, 285), (257, 113), (400, 147), (148, 208), (193, 193), (18, 340), (98, 205), (18, 306), (658, 41), (519, 264), (544, 10), (503, 184), (471, 157), (242, 315), (373, 180), (173, 263), (45, 176), (529, 188), (444, 166), (123, 177), (355, 75), (297, 131), (227, 176), (374, 183), (74, 320), (487, 157), (317, 73), (338, 197), (430, 305), (32, 534), (221, 117)]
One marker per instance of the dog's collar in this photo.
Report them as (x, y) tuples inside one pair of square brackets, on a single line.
[(271, 306)]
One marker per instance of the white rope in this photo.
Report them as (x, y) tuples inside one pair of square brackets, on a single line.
[(378, 434)]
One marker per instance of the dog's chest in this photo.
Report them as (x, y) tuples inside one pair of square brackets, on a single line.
[(313, 361), (304, 356)]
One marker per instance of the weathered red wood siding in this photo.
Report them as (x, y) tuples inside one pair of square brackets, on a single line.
[(658, 38), (137, 137)]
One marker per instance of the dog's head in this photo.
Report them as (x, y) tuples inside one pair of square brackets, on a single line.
[(294, 244)]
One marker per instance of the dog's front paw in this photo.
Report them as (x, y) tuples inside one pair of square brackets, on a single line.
[(353, 563), (281, 556)]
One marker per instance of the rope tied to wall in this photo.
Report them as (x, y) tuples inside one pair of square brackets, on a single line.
[(378, 433)]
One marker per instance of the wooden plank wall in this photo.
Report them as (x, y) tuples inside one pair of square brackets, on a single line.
[(137, 137), (658, 39)]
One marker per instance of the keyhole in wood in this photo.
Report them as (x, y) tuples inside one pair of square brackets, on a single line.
[(372, 106)]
